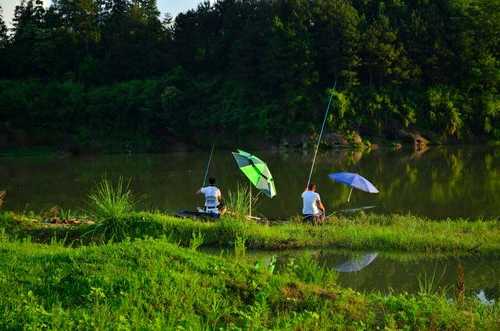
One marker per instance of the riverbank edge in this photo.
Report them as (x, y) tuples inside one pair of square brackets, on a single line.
[(148, 283), (333, 141), (361, 232)]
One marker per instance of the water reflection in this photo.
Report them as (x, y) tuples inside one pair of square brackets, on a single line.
[(442, 182), (481, 295), (357, 263), (398, 273)]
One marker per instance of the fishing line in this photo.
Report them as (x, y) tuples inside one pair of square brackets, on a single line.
[(320, 135)]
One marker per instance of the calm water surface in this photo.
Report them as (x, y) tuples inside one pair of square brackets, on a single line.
[(398, 273), (441, 182)]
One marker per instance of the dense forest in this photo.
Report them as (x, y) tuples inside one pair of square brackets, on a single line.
[(92, 72)]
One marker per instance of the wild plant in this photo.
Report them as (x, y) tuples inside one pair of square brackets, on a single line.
[(66, 214), (109, 204), (240, 246), (241, 202), (196, 240), (269, 266), (308, 270), (428, 284)]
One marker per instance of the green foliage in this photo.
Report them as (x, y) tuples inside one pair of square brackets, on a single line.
[(196, 241), (67, 214), (428, 284), (240, 247), (110, 203), (112, 75), (145, 283), (308, 270), (241, 202), (361, 232), (153, 284), (445, 112)]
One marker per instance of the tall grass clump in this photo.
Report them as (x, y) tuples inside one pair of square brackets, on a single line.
[(241, 202), (110, 203), (428, 284)]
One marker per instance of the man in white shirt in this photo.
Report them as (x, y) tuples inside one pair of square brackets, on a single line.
[(213, 197), (313, 209)]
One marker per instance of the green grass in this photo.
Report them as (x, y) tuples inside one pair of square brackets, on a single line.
[(405, 233), (241, 202), (165, 283), (381, 232), (110, 203), (157, 285)]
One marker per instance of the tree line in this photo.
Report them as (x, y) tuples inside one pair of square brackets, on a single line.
[(88, 70)]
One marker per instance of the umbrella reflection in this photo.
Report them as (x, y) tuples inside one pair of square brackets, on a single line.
[(357, 263), (483, 298)]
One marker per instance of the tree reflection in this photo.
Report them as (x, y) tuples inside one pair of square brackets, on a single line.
[(442, 182)]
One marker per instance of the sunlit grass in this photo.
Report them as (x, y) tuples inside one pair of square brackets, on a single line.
[(110, 203), (154, 284), (382, 232)]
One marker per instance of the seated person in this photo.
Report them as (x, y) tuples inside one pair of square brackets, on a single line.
[(313, 209), (213, 198)]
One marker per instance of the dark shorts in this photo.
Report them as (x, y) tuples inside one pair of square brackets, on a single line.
[(314, 219)]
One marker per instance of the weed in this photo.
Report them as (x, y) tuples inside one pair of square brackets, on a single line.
[(110, 204), (269, 266), (239, 247), (429, 284), (241, 203), (66, 214), (308, 270), (196, 240)]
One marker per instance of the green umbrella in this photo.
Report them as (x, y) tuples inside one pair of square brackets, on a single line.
[(256, 171)]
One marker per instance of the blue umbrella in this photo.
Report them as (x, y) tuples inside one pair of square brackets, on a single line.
[(354, 181)]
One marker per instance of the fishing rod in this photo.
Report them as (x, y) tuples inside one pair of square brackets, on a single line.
[(350, 210), (320, 135), (208, 164)]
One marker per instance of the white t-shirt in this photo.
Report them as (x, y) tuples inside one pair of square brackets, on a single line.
[(212, 194), (310, 200)]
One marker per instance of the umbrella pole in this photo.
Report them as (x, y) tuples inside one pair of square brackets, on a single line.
[(250, 201), (349, 197)]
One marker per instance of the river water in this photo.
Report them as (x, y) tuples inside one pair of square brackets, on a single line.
[(440, 182)]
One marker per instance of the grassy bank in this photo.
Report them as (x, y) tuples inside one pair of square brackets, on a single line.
[(153, 284), (383, 232)]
